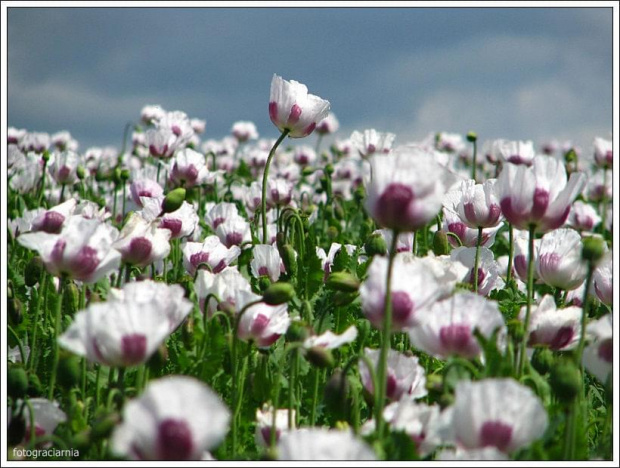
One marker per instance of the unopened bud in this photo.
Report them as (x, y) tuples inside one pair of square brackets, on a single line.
[(329, 169), (543, 360), (297, 331), (32, 274), (307, 170), (81, 172), (441, 246), (320, 357), (279, 293), (16, 315), (472, 136), (173, 200), (45, 156), (71, 298), (342, 281), (593, 249), (565, 380), (17, 382), (69, 371), (375, 245), (125, 175), (342, 298)]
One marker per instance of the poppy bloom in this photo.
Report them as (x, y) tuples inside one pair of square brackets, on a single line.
[(83, 249), (500, 413), (64, 168), (447, 328), (559, 329), (414, 287), (211, 252), (167, 422), (603, 153), (406, 189), (322, 444), (478, 205), (244, 131), (264, 421), (598, 355), (405, 376), (53, 219), (266, 262), (142, 242), (372, 142), (489, 272), (261, 323), (558, 260), (514, 152), (583, 216), (223, 285), (128, 328), (602, 280), (292, 108), (539, 195)]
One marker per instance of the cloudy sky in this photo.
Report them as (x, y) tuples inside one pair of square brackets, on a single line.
[(505, 73)]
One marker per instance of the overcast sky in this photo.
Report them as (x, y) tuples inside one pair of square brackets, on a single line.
[(505, 73)]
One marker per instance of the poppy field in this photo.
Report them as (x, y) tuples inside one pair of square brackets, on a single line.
[(312, 297)]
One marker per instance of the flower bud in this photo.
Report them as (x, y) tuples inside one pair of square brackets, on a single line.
[(187, 332), (441, 246), (279, 293), (34, 385), (472, 136), (593, 249), (434, 383), (17, 382), (32, 274), (543, 360), (69, 371), (565, 380), (81, 172), (103, 426), (320, 357), (116, 175), (336, 395), (375, 245), (307, 170), (297, 331), (71, 299), (15, 311), (45, 156), (515, 329), (343, 281), (124, 176), (16, 430), (173, 200), (342, 298), (263, 283)]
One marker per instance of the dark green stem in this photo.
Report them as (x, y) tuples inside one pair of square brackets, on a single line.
[(265, 177), (381, 387), (530, 296), (61, 287), (510, 252)]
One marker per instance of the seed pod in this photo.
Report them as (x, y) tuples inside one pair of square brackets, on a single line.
[(69, 371), (173, 200), (543, 360), (320, 357), (375, 245), (297, 331), (71, 299), (565, 380), (593, 249), (337, 394), (17, 382), (32, 274), (343, 281), (279, 293), (16, 315), (441, 246)]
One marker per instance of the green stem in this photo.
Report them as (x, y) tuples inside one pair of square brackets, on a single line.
[(265, 177), (62, 193), (510, 252), (530, 295), (315, 394), (381, 387), (61, 287), (20, 346), (35, 325), (477, 259), (291, 388), (584, 314)]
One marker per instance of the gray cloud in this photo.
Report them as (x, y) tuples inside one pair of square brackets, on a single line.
[(528, 73)]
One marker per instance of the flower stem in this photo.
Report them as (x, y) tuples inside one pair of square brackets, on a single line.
[(475, 275), (35, 323), (584, 314), (315, 394), (510, 253), (265, 177), (381, 388), (530, 295), (61, 287)]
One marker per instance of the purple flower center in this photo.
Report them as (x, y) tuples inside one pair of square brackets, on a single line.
[(217, 222), (259, 325), (459, 230), (273, 112), (174, 440), (233, 238), (402, 308), (133, 348), (495, 434), (391, 386), (393, 205), (456, 339), (563, 336), (198, 258), (263, 271), (481, 276), (52, 222), (220, 266), (173, 225), (294, 115), (541, 202), (63, 174), (84, 263), (140, 249), (606, 350)]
